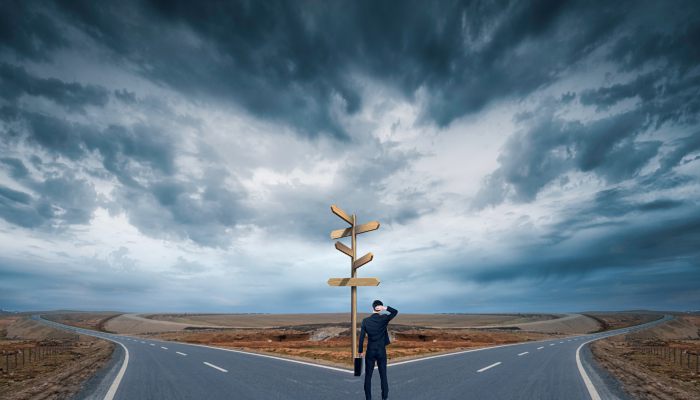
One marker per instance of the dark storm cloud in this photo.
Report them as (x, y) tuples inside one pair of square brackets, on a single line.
[(16, 166), (665, 94), (120, 148), (295, 62), (636, 242), (59, 201), (28, 30), (142, 159), (550, 147), (202, 210), (15, 82)]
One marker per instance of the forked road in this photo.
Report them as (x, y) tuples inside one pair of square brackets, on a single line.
[(168, 370)]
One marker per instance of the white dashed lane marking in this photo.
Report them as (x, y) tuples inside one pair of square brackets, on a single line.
[(523, 353), (540, 348), (489, 367), (214, 366), (182, 354), (164, 348)]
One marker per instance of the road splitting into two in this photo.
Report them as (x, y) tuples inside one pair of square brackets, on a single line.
[(459, 362)]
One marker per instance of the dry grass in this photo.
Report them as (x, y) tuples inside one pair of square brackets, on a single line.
[(649, 376), (619, 320), (73, 359), (88, 320)]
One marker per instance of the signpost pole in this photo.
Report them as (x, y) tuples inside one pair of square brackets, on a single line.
[(353, 281), (353, 290)]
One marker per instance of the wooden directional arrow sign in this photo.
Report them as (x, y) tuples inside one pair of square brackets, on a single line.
[(341, 233), (353, 282), (362, 260), (342, 214), (343, 248)]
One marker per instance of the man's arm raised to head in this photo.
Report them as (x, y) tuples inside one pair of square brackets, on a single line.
[(392, 313)]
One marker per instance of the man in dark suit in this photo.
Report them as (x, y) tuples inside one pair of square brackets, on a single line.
[(374, 327)]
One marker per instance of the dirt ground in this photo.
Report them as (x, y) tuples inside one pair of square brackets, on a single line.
[(67, 360), (87, 320), (650, 376), (325, 338), (279, 320), (330, 345), (544, 323), (617, 320)]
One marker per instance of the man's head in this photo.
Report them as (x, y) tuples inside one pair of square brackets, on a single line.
[(376, 304)]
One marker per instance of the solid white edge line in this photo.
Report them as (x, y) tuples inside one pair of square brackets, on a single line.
[(592, 391), (523, 353), (489, 367), (586, 379), (215, 367), (118, 379)]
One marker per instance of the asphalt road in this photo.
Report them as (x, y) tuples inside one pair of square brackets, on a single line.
[(152, 369)]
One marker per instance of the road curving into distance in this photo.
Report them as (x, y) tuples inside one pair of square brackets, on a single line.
[(549, 369)]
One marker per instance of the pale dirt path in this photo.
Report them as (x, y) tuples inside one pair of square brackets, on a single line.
[(136, 324), (156, 323)]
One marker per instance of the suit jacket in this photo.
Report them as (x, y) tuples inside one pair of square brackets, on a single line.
[(374, 327)]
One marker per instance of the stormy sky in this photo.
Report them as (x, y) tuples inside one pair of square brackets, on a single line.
[(182, 156)]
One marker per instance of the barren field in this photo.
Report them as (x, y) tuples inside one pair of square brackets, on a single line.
[(40, 362), (656, 376), (617, 320), (88, 320), (156, 323), (277, 320), (325, 338), (331, 344)]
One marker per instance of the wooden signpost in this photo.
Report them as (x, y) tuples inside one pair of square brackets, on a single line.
[(355, 263)]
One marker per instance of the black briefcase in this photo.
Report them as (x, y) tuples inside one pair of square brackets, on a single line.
[(358, 366)]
